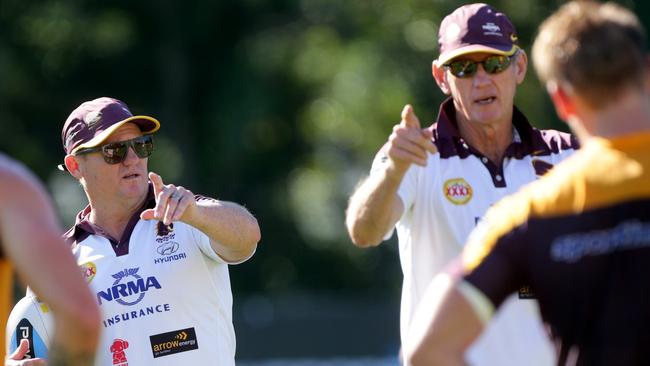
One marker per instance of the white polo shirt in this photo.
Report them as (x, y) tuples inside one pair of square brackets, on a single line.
[(443, 202), (163, 292)]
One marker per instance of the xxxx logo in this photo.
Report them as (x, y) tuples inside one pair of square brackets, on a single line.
[(89, 270), (457, 191), (181, 336)]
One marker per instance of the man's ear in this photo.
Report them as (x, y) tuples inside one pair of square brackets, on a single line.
[(521, 66), (440, 76), (72, 164), (562, 101)]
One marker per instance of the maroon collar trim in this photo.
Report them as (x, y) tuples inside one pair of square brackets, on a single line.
[(533, 141), (84, 228)]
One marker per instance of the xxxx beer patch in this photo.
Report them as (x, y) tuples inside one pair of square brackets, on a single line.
[(457, 191), (89, 270)]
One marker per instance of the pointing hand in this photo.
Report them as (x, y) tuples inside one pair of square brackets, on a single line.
[(409, 143), (172, 203)]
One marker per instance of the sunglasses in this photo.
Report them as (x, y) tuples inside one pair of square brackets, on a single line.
[(115, 152), (467, 68)]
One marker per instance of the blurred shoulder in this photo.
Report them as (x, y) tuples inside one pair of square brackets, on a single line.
[(17, 182), (13, 172)]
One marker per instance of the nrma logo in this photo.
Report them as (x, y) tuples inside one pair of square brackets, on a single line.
[(127, 292)]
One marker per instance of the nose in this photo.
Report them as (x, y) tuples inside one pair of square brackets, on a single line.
[(481, 77), (131, 157)]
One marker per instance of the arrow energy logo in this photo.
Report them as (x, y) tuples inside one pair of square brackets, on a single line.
[(173, 342)]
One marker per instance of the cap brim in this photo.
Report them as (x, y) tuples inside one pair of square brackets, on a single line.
[(147, 125), (475, 48)]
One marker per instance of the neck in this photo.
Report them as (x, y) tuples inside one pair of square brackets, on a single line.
[(628, 114), (491, 139), (113, 216)]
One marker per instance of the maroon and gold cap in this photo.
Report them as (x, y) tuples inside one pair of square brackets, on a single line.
[(93, 121), (475, 28)]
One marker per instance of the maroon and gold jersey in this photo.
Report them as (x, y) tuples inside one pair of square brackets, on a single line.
[(578, 240)]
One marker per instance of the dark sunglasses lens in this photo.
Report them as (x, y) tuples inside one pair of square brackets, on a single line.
[(143, 146), (496, 64), (115, 153), (463, 68)]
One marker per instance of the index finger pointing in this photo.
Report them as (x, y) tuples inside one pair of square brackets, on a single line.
[(409, 119), (157, 182)]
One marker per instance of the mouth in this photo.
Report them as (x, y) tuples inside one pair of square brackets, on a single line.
[(131, 176), (486, 100)]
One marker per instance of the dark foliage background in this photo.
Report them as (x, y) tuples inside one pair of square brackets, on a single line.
[(278, 105)]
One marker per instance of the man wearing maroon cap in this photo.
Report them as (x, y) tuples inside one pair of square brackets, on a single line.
[(579, 237), (155, 254), (434, 184)]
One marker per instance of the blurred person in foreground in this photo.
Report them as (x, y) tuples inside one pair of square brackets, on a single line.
[(579, 238), (30, 241), (155, 254), (435, 184)]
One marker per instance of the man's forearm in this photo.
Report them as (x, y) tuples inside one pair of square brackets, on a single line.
[(444, 325), (233, 231), (61, 354), (75, 339), (374, 207)]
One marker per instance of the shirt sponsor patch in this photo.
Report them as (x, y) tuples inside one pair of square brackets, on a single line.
[(167, 248), (168, 252), (89, 270), (118, 349), (137, 313), (457, 191), (173, 342), (526, 293), (129, 287), (628, 235)]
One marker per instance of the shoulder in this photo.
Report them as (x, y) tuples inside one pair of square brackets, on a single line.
[(508, 214), (552, 195)]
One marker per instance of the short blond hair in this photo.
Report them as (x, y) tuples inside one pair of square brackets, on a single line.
[(597, 49)]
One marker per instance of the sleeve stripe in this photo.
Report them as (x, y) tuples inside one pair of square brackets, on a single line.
[(482, 306)]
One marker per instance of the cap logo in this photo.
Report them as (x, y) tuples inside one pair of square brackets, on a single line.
[(492, 29), (70, 139), (92, 118)]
